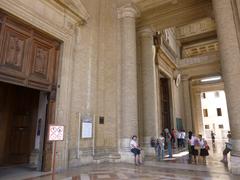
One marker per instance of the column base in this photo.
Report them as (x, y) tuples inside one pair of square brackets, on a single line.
[(125, 151), (34, 158), (235, 165), (148, 150)]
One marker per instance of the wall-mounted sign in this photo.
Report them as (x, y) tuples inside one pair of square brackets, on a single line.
[(55, 133), (86, 129)]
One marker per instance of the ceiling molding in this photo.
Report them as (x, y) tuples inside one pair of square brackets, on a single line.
[(200, 48), (145, 5), (205, 25), (181, 13)]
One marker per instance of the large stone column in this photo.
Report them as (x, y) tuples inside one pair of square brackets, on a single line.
[(230, 62), (197, 113), (129, 111), (187, 104), (149, 90)]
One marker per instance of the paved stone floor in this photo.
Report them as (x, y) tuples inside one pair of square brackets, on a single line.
[(177, 167)]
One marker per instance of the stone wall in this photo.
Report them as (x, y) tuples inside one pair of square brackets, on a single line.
[(89, 71), (95, 82)]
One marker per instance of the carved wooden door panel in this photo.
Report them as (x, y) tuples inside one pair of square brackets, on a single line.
[(165, 103), (28, 57)]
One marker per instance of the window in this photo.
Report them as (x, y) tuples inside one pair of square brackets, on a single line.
[(217, 94), (207, 127), (204, 95), (219, 112), (205, 112), (220, 126)]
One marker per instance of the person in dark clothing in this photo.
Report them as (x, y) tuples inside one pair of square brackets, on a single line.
[(213, 137), (189, 145)]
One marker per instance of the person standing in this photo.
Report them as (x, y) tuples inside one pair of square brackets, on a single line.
[(213, 137), (169, 142), (179, 144), (203, 148), (228, 148), (173, 138), (194, 147), (183, 136), (160, 147), (190, 146), (135, 149)]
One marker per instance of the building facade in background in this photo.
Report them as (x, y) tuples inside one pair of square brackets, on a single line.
[(215, 114)]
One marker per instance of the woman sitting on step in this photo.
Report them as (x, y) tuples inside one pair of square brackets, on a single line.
[(135, 150)]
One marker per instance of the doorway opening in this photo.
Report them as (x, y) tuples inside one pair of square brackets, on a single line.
[(165, 101), (22, 125)]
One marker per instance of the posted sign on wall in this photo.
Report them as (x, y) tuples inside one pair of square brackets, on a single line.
[(56, 133)]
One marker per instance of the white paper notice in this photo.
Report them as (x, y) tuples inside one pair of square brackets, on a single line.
[(86, 130)]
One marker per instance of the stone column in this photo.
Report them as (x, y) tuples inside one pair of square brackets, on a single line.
[(230, 62), (197, 121), (149, 90), (187, 104), (129, 111)]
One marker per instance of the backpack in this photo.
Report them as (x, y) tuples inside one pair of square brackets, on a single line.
[(153, 142)]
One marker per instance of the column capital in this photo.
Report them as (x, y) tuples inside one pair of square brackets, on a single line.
[(145, 32), (128, 10), (185, 77)]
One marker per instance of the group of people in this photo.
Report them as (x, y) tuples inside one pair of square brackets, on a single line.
[(197, 145), (167, 140)]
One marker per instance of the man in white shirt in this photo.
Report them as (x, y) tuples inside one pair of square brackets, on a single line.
[(183, 136)]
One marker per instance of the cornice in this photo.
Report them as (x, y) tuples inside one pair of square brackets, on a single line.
[(74, 8), (198, 60), (166, 59)]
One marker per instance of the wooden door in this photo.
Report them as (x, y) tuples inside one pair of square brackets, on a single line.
[(29, 58), (165, 103), (22, 124), (19, 139)]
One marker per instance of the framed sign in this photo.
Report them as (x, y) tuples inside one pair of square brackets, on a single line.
[(86, 127), (56, 133), (86, 130)]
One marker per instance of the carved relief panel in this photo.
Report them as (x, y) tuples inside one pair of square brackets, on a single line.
[(27, 56), (40, 57), (14, 49)]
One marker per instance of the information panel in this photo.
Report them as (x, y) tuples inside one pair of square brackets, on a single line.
[(56, 133), (86, 129)]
